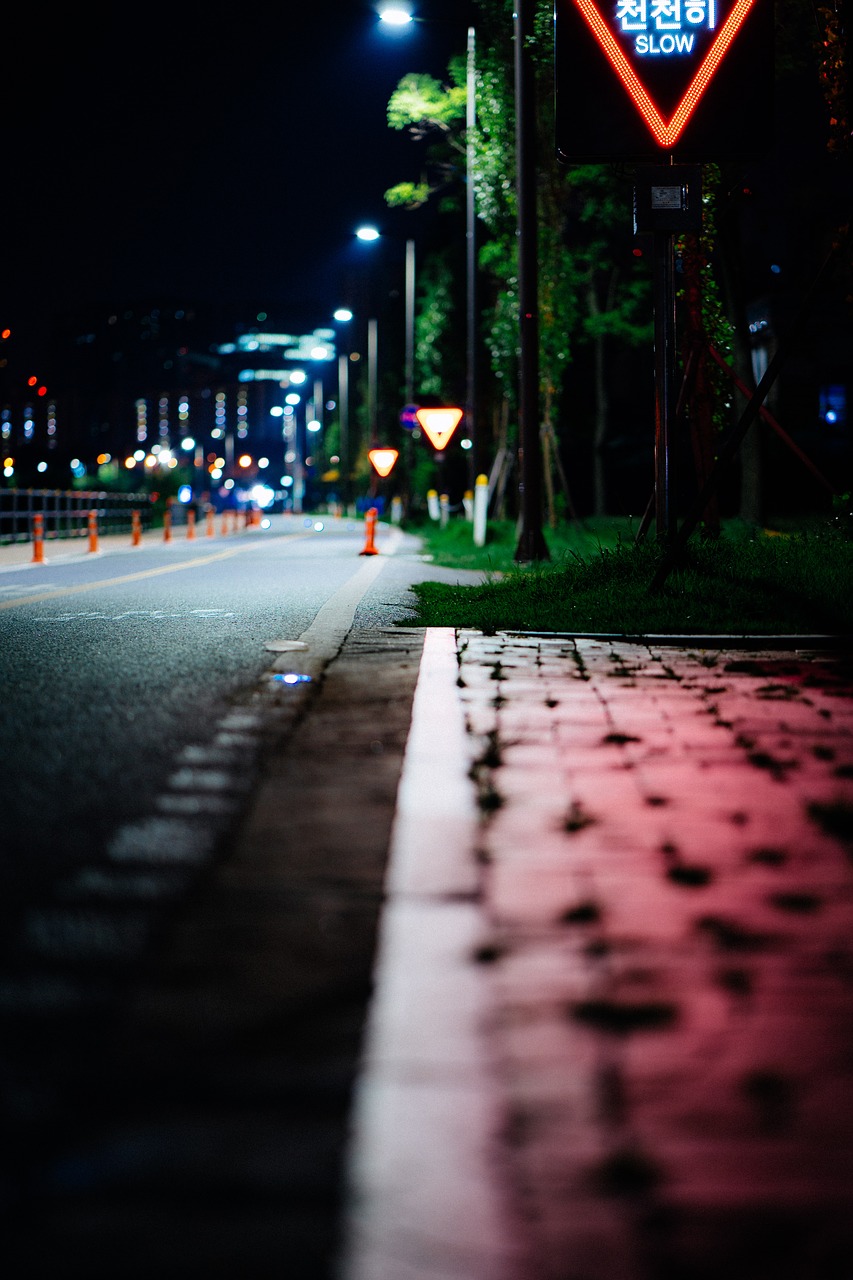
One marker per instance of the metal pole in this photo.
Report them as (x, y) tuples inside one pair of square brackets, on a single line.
[(410, 321), (471, 259), (343, 408), (531, 544), (372, 364)]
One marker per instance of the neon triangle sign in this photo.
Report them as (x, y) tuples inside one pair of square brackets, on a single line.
[(666, 132)]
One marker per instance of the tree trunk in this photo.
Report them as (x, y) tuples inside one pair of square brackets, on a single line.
[(546, 437), (751, 507), (601, 416), (699, 394)]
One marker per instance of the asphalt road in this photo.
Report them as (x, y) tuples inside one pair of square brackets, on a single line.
[(113, 665), (162, 710)]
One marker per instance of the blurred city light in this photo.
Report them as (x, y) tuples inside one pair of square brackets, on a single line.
[(263, 495), (395, 16)]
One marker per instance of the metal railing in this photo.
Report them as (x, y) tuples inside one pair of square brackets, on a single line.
[(66, 512)]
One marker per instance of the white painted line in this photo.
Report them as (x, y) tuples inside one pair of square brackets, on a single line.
[(322, 640), (284, 646), (425, 1200)]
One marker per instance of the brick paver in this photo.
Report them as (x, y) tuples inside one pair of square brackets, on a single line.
[(669, 887), (662, 938)]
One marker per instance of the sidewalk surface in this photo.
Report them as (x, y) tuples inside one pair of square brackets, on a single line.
[(612, 1036), (547, 940)]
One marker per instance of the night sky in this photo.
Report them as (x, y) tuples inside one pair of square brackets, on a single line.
[(204, 151)]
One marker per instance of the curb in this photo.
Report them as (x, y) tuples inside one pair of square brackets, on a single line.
[(700, 640)]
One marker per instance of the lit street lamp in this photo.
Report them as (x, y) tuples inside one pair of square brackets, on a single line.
[(372, 234), (343, 315), (396, 17), (531, 545)]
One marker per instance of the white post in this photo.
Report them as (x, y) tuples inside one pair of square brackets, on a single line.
[(481, 507)]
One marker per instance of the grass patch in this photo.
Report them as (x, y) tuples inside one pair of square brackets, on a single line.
[(746, 582)]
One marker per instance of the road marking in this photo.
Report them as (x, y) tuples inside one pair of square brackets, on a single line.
[(153, 615), (284, 646), (324, 638), (137, 577)]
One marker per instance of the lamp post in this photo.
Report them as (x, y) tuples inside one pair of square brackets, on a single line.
[(343, 315), (531, 543), (369, 234), (372, 378), (399, 18)]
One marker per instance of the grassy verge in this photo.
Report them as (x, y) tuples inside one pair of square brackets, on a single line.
[(792, 580)]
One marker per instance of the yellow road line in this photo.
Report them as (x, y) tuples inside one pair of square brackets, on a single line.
[(133, 577)]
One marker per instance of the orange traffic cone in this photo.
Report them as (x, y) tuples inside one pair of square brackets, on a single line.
[(38, 539), (369, 548)]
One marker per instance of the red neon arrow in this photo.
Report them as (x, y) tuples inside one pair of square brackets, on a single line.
[(666, 133)]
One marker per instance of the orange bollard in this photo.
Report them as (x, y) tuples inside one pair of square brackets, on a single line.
[(38, 539), (225, 523), (167, 526), (93, 531), (190, 523), (135, 528), (210, 523), (369, 548)]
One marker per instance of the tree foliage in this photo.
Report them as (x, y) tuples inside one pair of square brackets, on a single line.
[(594, 294)]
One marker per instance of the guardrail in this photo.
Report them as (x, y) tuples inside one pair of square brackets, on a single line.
[(65, 513)]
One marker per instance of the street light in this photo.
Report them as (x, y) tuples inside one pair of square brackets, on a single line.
[(395, 17), (370, 233), (531, 543), (343, 315), (398, 17)]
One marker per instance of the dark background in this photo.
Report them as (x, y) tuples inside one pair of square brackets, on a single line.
[(204, 151)]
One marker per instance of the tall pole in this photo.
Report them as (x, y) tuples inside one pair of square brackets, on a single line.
[(372, 378), (410, 321), (471, 260), (531, 543), (343, 412)]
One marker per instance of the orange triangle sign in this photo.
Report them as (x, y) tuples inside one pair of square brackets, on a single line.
[(666, 127), (439, 424)]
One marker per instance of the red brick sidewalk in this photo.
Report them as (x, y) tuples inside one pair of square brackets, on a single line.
[(638, 1031)]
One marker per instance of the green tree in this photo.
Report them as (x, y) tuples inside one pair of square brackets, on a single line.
[(588, 297)]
